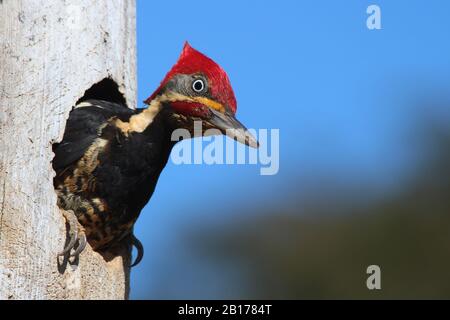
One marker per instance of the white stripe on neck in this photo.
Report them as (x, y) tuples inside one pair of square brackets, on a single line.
[(140, 122)]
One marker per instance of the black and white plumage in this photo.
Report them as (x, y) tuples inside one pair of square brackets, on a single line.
[(110, 158), (105, 175)]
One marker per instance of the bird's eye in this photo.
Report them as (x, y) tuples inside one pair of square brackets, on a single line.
[(198, 85)]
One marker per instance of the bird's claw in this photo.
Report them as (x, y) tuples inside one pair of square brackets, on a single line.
[(76, 234), (140, 250)]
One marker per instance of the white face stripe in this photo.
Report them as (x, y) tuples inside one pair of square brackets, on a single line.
[(173, 96), (139, 122)]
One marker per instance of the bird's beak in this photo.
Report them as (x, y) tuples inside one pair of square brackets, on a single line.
[(230, 126)]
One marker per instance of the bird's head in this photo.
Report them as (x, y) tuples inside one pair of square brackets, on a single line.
[(198, 89)]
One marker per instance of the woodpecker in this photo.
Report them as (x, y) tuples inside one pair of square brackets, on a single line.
[(110, 158)]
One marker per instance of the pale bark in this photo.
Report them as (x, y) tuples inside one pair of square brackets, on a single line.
[(50, 53)]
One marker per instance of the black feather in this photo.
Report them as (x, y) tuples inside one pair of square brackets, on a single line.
[(83, 128), (122, 175)]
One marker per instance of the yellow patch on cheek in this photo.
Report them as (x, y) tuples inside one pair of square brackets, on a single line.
[(173, 97), (210, 103)]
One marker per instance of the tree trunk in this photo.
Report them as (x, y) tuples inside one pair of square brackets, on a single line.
[(51, 52)]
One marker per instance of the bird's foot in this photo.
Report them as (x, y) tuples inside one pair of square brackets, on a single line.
[(76, 235), (140, 250)]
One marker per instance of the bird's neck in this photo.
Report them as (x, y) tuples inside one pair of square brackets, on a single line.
[(139, 122), (152, 125), (158, 128), (148, 151)]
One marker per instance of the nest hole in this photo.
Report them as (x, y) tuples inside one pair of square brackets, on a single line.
[(107, 90)]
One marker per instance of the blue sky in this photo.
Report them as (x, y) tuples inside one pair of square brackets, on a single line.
[(340, 94)]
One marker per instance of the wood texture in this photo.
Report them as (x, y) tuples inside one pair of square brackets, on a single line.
[(50, 53)]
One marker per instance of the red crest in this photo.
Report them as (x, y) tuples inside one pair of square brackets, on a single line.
[(192, 61)]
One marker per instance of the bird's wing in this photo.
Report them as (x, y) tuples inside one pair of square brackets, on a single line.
[(83, 127)]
